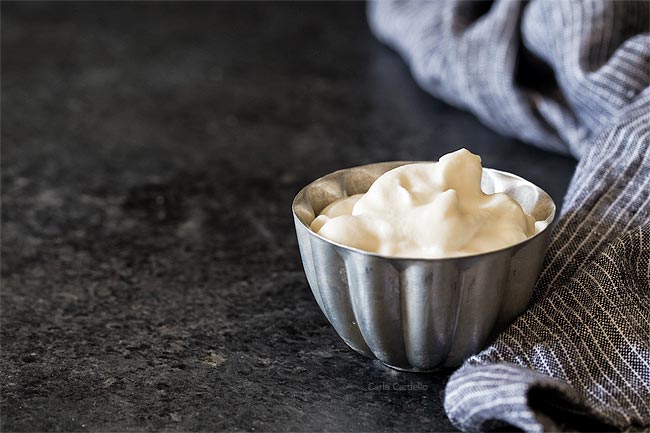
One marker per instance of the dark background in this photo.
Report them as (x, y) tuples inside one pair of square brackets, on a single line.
[(150, 273)]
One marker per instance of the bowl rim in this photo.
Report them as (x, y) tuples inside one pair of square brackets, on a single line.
[(549, 220)]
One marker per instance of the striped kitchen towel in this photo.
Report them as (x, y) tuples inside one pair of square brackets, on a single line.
[(574, 77)]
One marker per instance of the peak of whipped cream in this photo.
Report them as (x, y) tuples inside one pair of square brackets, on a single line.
[(427, 210)]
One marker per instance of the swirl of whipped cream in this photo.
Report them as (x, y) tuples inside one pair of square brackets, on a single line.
[(427, 210)]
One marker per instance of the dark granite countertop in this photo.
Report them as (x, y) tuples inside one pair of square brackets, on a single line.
[(150, 273)]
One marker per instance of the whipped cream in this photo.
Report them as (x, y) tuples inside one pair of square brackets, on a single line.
[(427, 210)]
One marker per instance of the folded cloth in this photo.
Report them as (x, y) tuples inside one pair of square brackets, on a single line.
[(573, 77)]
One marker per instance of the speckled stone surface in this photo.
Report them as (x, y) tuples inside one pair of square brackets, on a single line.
[(150, 273)]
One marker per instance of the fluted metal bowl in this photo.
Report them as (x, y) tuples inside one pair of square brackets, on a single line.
[(418, 314)]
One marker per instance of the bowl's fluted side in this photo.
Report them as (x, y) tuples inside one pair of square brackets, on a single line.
[(416, 314)]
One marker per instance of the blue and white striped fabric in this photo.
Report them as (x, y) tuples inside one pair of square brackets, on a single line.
[(574, 77)]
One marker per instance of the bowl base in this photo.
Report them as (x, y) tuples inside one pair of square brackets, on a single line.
[(413, 369)]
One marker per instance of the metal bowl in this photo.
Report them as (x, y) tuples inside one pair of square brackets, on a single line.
[(418, 314)]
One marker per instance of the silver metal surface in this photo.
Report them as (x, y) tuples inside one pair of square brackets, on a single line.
[(418, 314)]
